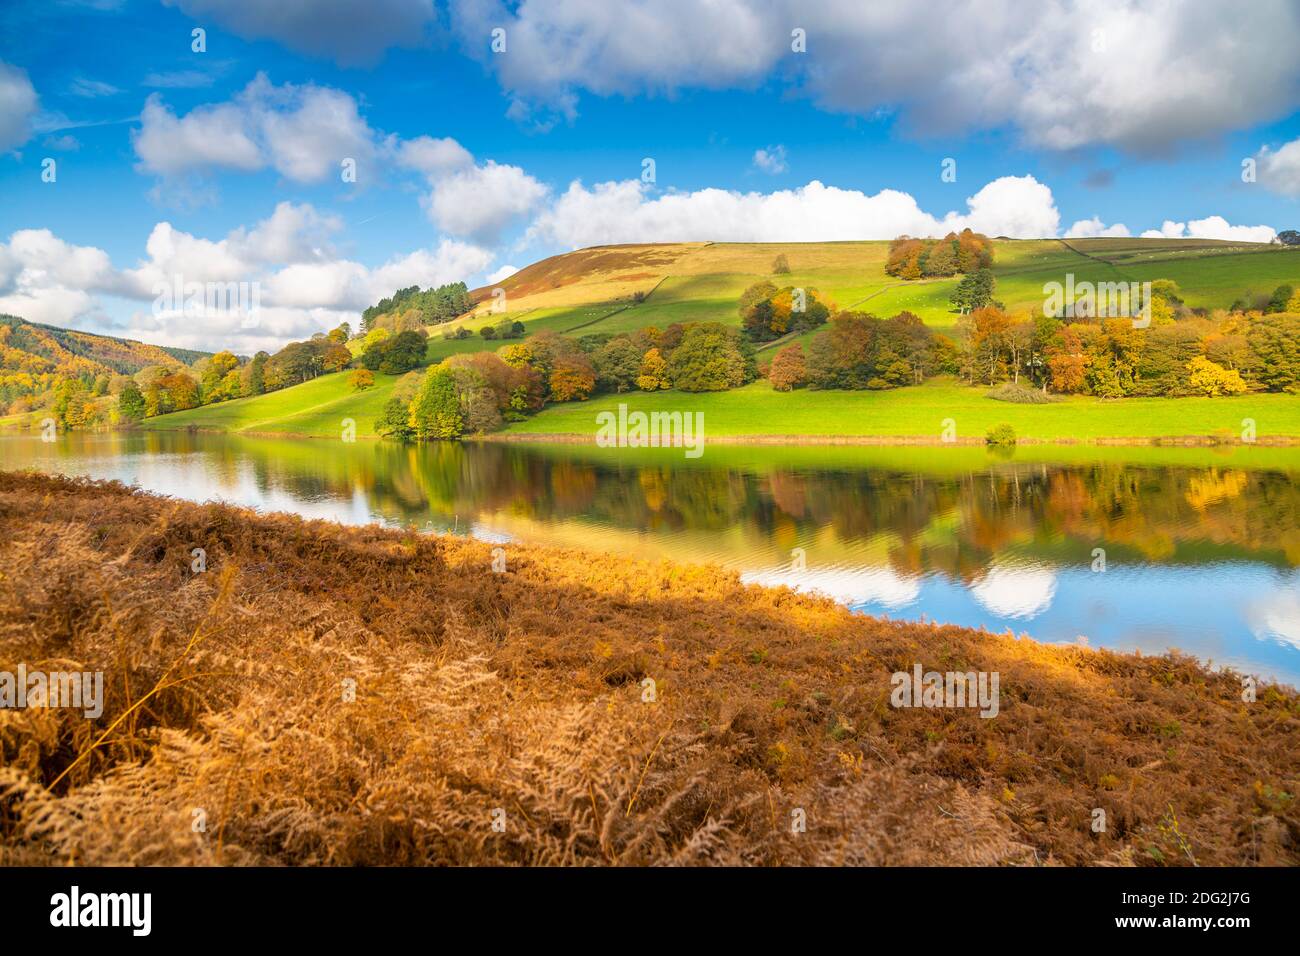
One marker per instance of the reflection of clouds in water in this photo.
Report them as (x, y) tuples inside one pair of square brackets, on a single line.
[(882, 586), (1015, 592), (1277, 617)]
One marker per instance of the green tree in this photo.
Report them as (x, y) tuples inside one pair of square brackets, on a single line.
[(435, 412), (974, 291), (711, 357), (618, 363), (130, 403), (404, 352), (252, 377), (395, 420), (1281, 296)]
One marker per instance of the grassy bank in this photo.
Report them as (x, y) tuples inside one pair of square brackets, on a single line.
[(332, 695), (317, 409), (920, 411)]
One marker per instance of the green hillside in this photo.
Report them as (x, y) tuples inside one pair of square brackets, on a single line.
[(317, 408), (623, 288)]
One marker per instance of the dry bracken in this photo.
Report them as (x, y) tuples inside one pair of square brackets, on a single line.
[(322, 695)]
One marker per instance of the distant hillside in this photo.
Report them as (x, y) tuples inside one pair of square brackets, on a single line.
[(621, 288), (33, 356)]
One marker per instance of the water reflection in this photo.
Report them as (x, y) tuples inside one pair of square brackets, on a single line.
[(1134, 548)]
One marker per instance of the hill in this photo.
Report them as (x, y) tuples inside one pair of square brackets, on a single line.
[(33, 356), (615, 289)]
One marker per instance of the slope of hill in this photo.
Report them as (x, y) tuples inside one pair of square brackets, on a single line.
[(613, 289), (60, 347), (621, 288), (34, 357)]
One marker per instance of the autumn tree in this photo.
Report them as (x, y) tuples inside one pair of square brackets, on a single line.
[(653, 373), (572, 377), (789, 370), (336, 358), (1207, 378)]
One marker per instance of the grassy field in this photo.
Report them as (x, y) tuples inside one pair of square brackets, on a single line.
[(592, 291), (921, 410), (703, 281), (355, 696), (317, 408)]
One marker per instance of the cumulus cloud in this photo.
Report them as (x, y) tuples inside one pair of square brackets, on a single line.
[(303, 132), (467, 198), (481, 201), (1065, 73), (771, 159), (1211, 227), (1279, 170), (1016, 206), (505, 272), (17, 106), (334, 29), (1094, 228), (303, 284), (433, 157)]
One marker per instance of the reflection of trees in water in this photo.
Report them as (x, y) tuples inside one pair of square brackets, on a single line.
[(952, 522)]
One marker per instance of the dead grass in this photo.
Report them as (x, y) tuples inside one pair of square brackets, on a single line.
[(519, 695)]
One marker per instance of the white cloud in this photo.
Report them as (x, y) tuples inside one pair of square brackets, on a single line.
[(1212, 227), (1094, 228), (481, 201), (1016, 206), (335, 29), (303, 132), (208, 137), (433, 157), (303, 285), (505, 272), (1065, 73), (17, 106), (771, 160), (1280, 170)]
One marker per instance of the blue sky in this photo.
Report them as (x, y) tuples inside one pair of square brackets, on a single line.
[(225, 164)]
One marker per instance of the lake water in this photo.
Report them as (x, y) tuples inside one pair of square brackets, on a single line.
[(1133, 548)]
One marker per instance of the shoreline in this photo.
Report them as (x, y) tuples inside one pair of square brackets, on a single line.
[(570, 691), (901, 441)]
